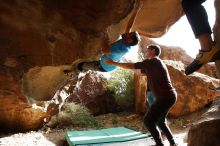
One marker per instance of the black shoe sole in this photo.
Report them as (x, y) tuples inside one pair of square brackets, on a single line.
[(194, 66)]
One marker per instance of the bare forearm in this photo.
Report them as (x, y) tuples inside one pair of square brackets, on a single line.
[(124, 65), (131, 21)]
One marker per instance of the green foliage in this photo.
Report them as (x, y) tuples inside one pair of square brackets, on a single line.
[(74, 115), (114, 120), (179, 122), (121, 84)]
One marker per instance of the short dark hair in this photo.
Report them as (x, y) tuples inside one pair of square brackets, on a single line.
[(135, 37), (156, 48)]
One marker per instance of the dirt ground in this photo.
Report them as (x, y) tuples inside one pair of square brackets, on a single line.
[(56, 137)]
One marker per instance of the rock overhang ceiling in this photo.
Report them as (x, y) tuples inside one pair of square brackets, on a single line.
[(53, 32), (36, 33)]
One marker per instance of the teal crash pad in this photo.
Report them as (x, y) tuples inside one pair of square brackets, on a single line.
[(110, 136)]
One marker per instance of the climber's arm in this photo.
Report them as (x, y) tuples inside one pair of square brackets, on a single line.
[(131, 21)]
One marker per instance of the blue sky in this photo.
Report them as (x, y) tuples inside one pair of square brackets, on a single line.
[(181, 35)]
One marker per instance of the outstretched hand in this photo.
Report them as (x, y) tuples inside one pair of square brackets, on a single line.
[(109, 61), (137, 6)]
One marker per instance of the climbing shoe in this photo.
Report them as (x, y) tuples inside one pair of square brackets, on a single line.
[(202, 58), (216, 57)]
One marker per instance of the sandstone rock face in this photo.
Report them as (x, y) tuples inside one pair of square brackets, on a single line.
[(41, 83), (16, 113), (50, 32), (140, 87), (193, 91), (153, 10), (40, 33), (206, 130), (20, 117)]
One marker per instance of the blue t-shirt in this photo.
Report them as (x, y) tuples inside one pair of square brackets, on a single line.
[(118, 49)]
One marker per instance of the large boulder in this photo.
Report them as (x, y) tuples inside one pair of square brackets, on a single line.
[(16, 112), (41, 83), (91, 92), (205, 131), (193, 91)]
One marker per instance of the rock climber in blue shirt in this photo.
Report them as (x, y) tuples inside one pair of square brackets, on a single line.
[(116, 50), (119, 49)]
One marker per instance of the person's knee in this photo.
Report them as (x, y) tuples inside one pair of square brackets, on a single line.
[(161, 124)]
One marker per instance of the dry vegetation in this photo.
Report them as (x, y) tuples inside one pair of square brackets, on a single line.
[(55, 136)]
